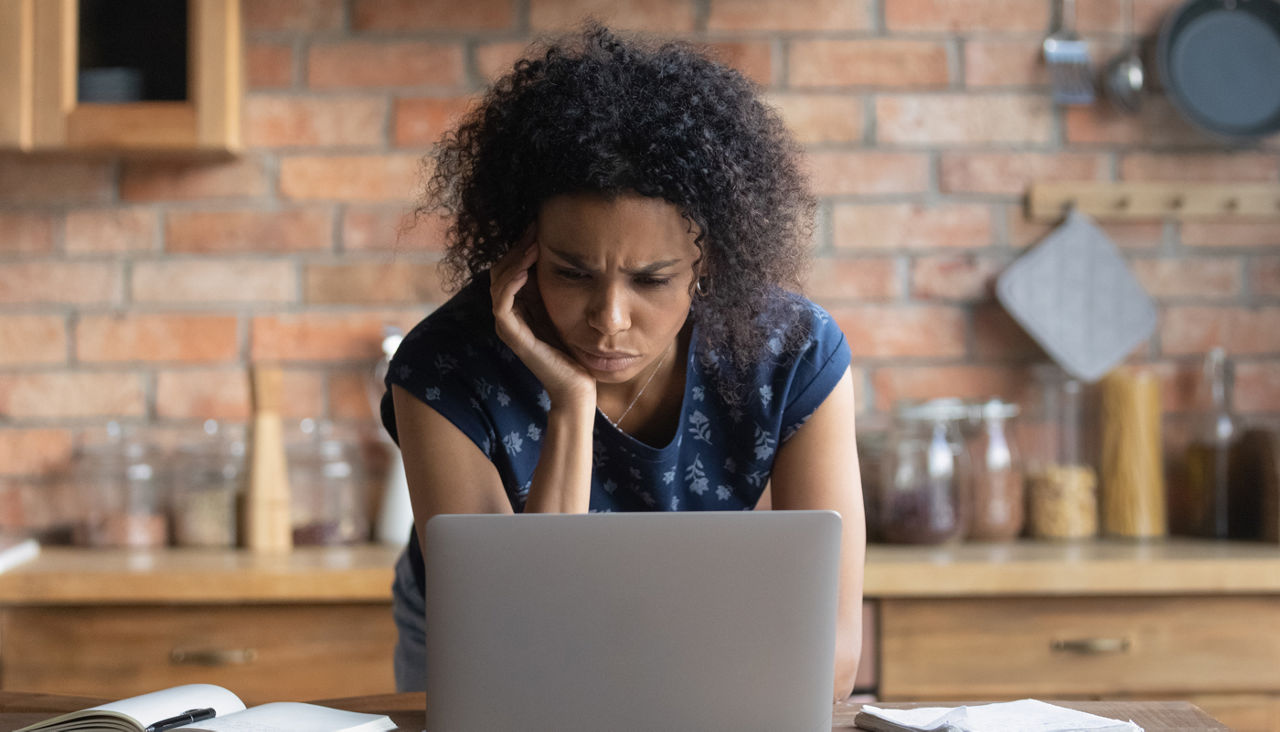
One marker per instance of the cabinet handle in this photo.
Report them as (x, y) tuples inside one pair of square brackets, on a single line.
[(212, 656), (1091, 646)]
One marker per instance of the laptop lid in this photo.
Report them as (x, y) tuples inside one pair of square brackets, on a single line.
[(632, 621)]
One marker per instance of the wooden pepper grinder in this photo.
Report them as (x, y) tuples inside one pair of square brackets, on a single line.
[(267, 516)]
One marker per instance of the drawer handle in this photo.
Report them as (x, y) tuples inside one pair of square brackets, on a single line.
[(212, 656), (1092, 646)]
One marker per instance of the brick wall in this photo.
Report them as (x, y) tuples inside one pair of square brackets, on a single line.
[(141, 289)]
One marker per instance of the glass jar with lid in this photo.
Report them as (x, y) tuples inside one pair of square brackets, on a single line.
[(209, 480), (124, 492), (997, 513), (328, 480), (1062, 482), (924, 495)]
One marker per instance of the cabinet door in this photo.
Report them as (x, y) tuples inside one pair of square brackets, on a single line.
[(40, 41), (1075, 647), (262, 653)]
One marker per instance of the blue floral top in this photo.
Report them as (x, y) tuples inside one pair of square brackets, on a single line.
[(719, 459)]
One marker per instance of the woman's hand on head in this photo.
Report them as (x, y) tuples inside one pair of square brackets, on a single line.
[(517, 315)]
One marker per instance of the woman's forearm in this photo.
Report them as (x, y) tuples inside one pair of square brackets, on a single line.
[(562, 481)]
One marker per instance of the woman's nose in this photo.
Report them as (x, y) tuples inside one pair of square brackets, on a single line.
[(609, 313)]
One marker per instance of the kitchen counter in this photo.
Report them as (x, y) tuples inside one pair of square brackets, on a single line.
[(63, 575)]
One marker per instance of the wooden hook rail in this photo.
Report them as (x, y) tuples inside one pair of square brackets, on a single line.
[(1131, 201)]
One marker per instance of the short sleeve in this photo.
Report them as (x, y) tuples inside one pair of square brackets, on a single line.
[(821, 362)]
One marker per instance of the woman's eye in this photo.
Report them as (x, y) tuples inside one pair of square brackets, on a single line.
[(649, 281), (573, 275)]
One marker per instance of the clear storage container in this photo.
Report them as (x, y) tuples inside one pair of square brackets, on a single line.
[(1062, 483), (998, 477), (924, 496)]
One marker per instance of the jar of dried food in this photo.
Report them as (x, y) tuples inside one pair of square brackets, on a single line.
[(924, 495), (124, 494), (328, 481), (207, 484), (997, 513), (1062, 484)]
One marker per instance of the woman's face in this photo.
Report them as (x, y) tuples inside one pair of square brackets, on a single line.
[(616, 277)]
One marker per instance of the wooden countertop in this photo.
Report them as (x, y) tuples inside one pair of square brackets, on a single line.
[(63, 575), (408, 711)]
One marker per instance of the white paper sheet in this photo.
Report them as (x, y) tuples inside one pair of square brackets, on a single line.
[(1024, 715)]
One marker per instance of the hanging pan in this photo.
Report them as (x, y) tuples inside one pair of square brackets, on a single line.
[(1219, 61)]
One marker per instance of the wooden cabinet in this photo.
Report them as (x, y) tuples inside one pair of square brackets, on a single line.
[(1223, 651), (263, 653), (39, 106)]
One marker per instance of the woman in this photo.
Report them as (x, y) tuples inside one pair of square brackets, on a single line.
[(627, 222)]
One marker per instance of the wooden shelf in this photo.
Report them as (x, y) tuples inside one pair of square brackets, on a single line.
[(1136, 201)]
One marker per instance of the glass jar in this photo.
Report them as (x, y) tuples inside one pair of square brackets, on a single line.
[(997, 513), (207, 485), (328, 483), (924, 495), (123, 492), (1062, 485)]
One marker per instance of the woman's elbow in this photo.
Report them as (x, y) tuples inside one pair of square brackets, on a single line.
[(846, 676)]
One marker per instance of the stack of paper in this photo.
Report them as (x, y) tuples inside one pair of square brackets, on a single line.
[(1024, 715)]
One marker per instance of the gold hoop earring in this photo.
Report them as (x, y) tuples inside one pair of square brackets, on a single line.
[(702, 286)]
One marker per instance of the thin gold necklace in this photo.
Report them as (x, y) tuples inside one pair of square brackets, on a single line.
[(648, 381)]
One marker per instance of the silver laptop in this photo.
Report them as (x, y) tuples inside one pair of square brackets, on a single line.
[(632, 621)]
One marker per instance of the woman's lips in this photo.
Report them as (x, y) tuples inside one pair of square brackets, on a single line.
[(608, 362)]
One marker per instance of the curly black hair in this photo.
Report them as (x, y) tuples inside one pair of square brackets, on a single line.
[(597, 113)]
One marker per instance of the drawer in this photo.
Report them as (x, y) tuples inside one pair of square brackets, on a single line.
[(1003, 648), (262, 653)]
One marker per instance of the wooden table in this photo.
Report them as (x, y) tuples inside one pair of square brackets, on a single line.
[(18, 709)]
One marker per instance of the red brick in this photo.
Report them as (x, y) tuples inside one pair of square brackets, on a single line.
[(433, 15), (1149, 15), (363, 64), (156, 337), (32, 339), (1012, 173), (391, 229), (268, 65), (293, 15), (203, 393), (69, 394), (184, 181), (963, 119), (1211, 167), (1179, 383), (887, 331), (992, 62), (838, 173), (950, 16), (1260, 233), (419, 122), (60, 283), (331, 121), (372, 283), (954, 277), (1136, 235), (111, 230), (1102, 16), (911, 226), (836, 280), (349, 394), (218, 281), (25, 233), (898, 383), (1157, 124), (497, 58), (317, 337), (392, 178), (868, 63), (303, 395), (998, 337), (1186, 330), (787, 15), (646, 15), (1264, 276), (754, 59), (25, 180), (246, 230), (34, 451), (819, 118), (1257, 387), (1202, 277)]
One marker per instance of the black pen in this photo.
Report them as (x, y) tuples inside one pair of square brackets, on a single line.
[(187, 717)]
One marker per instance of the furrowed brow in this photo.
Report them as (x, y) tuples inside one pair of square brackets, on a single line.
[(648, 269)]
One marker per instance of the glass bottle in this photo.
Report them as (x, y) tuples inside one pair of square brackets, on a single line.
[(997, 476), (1062, 485), (924, 497), (1206, 503)]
